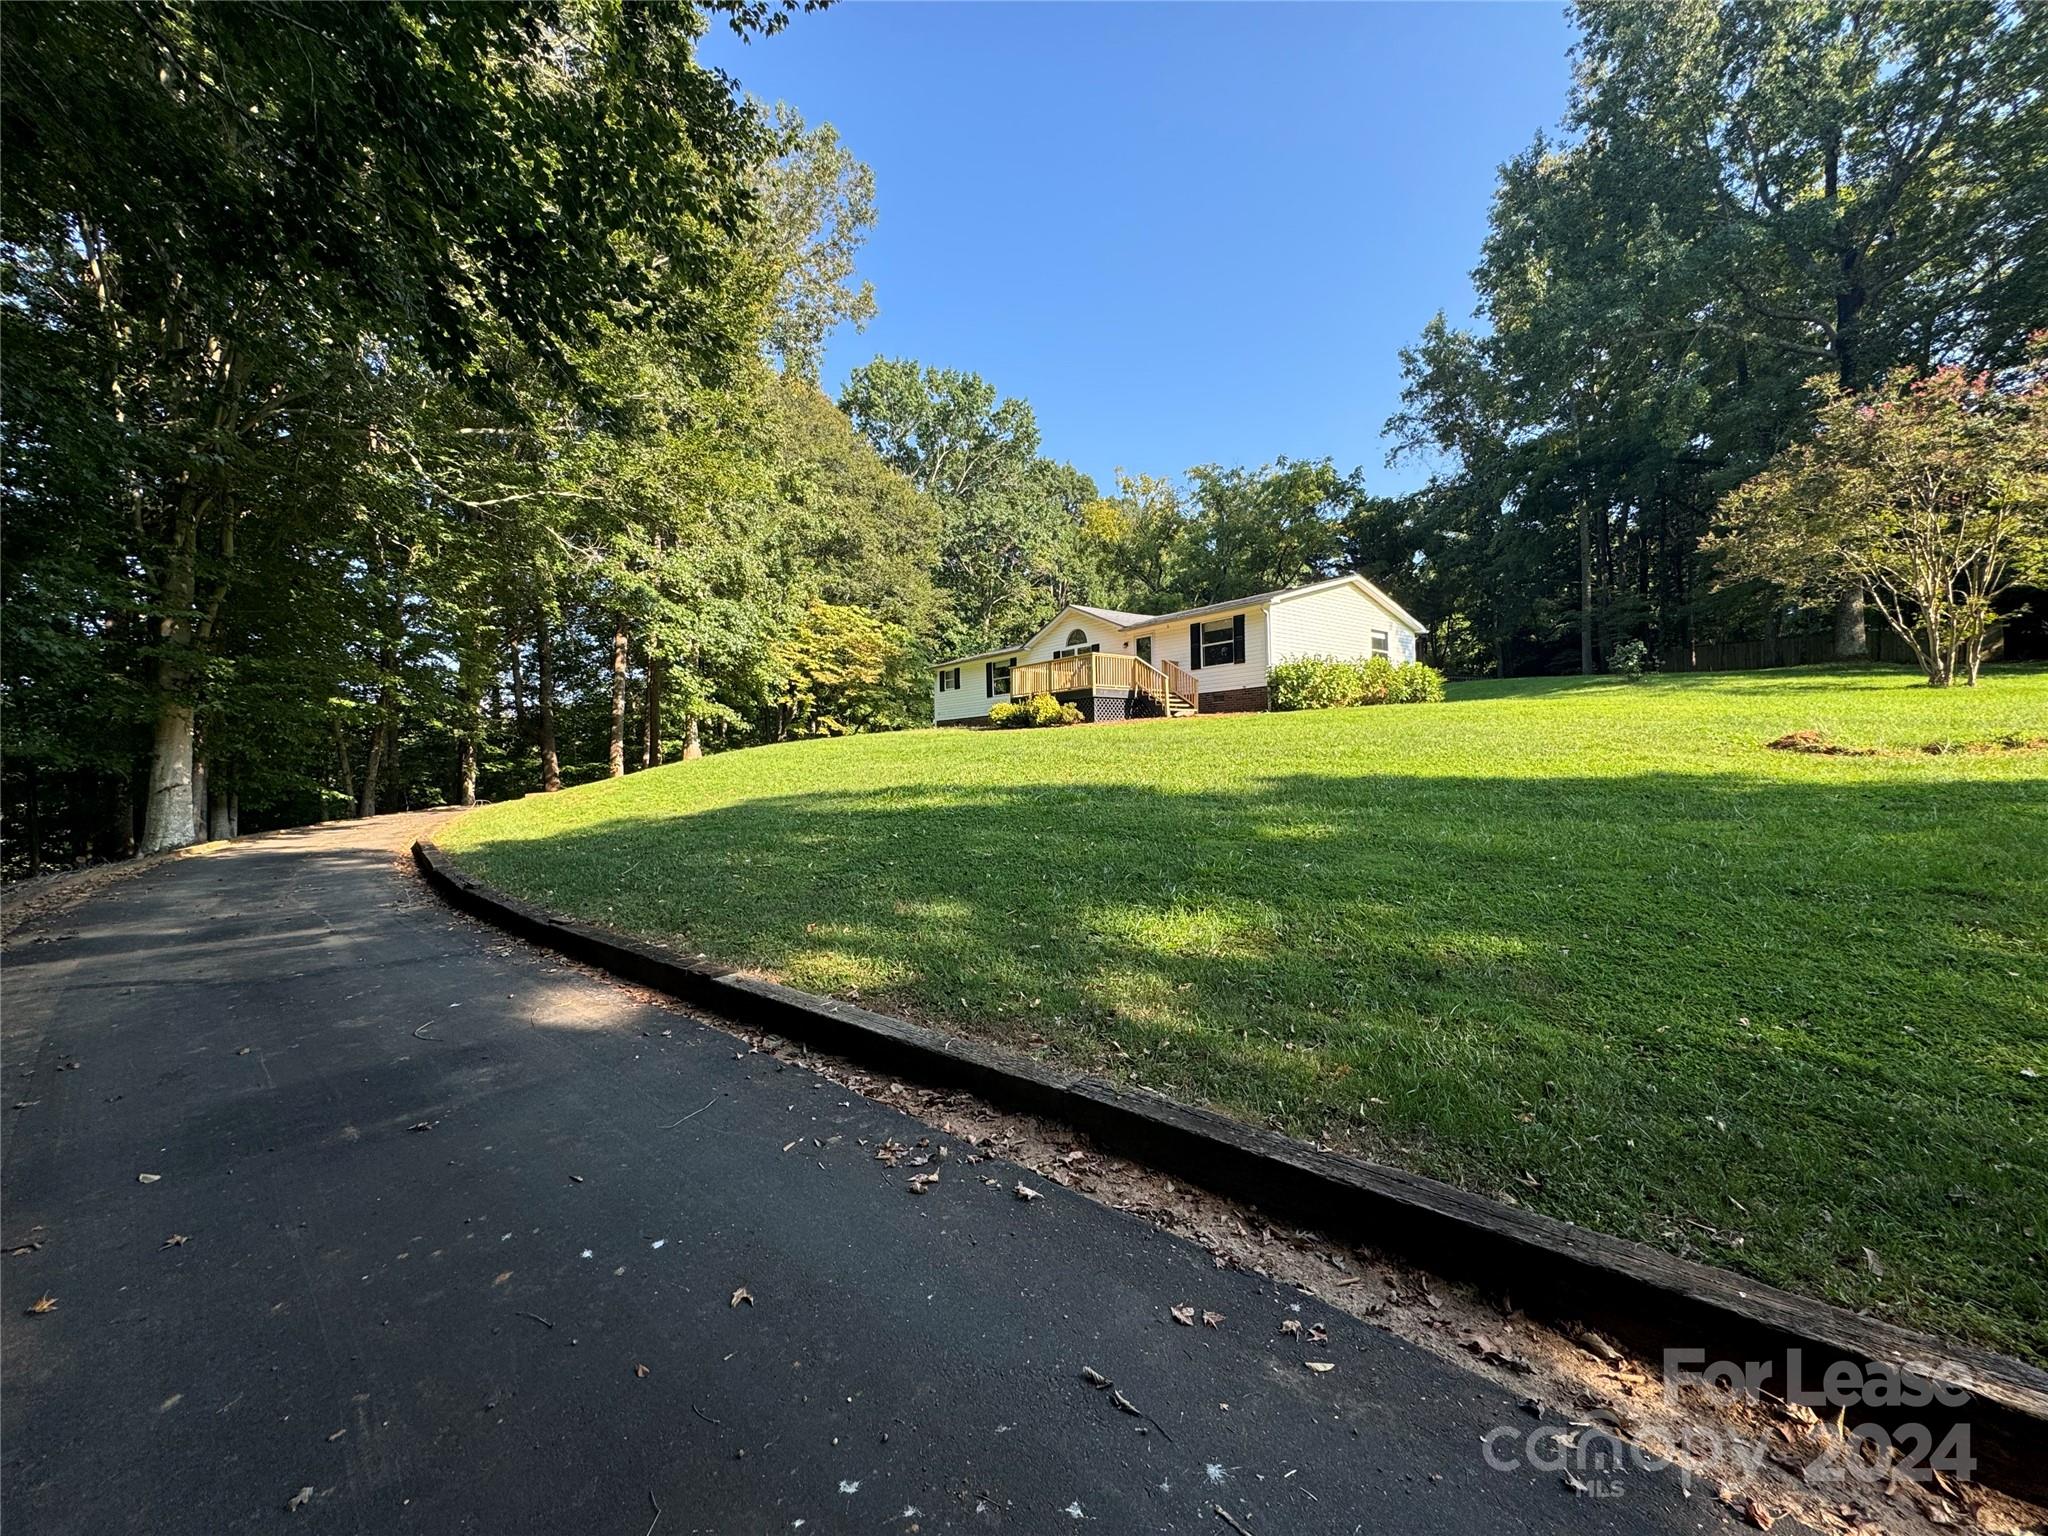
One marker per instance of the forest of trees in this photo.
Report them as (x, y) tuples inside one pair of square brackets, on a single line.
[(411, 404)]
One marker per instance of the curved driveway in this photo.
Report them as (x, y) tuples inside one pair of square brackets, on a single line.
[(424, 1205)]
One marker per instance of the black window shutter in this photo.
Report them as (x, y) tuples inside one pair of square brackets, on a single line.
[(1237, 637), (988, 677), (1195, 646)]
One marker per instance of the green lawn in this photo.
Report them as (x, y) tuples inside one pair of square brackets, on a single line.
[(1581, 943)]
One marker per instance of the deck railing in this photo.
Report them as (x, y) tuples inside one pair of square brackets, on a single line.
[(1101, 672)]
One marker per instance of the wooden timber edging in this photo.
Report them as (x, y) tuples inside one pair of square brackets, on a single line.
[(1649, 1300)]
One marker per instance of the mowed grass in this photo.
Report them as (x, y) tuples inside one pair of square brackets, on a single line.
[(1577, 943)]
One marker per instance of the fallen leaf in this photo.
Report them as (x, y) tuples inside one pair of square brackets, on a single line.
[(920, 1182), (740, 1295), (1598, 1347), (1125, 1404), (176, 1240), (1291, 1325), (503, 1276), (1872, 1262), (245, 1050), (148, 1178), (1211, 1319), (424, 1125), (1319, 1366), (641, 1370), (1754, 1511), (299, 1500), (575, 1178), (1184, 1315), (41, 1305), (1093, 1377), (1024, 1191), (1491, 1350), (1318, 1334), (1574, 1484), (336, 1436)]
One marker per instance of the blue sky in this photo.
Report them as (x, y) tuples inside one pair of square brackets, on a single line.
[(1185, 233)]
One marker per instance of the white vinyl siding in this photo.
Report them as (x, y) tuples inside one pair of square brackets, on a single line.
[(970, 701), (1336, 621), (1059, 637), (1170, 643)]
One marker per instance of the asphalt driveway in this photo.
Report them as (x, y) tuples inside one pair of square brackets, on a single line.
[(336, 1191)]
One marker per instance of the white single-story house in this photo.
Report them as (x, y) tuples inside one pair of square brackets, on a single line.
[(1212, 659)]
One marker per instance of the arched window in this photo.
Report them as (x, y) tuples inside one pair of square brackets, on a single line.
[(1077, 642)]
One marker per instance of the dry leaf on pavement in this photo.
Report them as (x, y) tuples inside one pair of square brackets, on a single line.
[(740, 1295), (1211, 1319), (1184, 1315), (299, 1500), (1026, 1192), (41, 1305)]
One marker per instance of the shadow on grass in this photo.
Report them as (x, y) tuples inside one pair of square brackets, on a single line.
[(1770, 1024)]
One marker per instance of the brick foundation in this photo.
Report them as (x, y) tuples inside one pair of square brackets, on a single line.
[(1234, 701)]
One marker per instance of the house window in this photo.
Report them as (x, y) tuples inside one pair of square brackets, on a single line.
[(949, 679), (1077, 644), (1379, 642), (1145, 649), (1219, 642), (998, 678)]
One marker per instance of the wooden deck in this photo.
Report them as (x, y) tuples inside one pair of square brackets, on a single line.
[(1095, 672)]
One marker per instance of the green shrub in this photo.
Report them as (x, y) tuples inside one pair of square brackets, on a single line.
[(1322, 682), (1415, 683), (1039, 709), (1312, 682), (1629, 659), (1375, 681)]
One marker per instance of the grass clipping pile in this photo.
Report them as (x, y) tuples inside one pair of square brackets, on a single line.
[(1818, 744), (1768, 1461)]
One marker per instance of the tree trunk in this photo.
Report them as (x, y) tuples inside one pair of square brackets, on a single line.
[(367, 805), (167, 820), (348, 772), (1852, 639), (693, 746), (1585, 594), (200, 827), (476, 689), (550, 763), (32, 791), (650, 744), (220, 821), (616, 766), (170, 820)]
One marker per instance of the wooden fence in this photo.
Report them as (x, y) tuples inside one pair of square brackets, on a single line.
[(1790, 651)]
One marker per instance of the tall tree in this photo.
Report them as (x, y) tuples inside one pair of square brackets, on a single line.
[(207, 198)]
